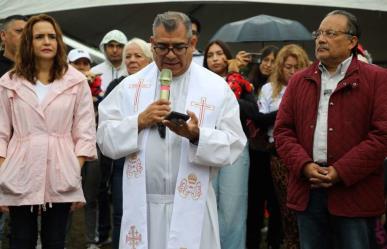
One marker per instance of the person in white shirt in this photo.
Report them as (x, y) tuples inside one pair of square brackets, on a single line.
[(168, 199), (112, 68), (197, 55), (290, 59)]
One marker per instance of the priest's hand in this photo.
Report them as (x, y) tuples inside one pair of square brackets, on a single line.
[(153, 114), (188, 129)]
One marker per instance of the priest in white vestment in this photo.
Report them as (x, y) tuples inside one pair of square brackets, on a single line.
[(168, 200)]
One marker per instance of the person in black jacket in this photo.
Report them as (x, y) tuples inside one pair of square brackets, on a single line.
[(10, 33)]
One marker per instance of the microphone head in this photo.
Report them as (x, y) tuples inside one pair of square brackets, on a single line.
[(165, 76)]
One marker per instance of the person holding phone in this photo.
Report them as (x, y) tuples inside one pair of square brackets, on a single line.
[(231, 183), (168, 199)]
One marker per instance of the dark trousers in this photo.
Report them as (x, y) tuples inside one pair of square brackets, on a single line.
[(90, 182), (261, 191), (104, 214), (320, 230), (118, 168), (24, 223)]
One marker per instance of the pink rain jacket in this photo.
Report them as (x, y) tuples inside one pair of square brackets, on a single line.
[(41, 142)]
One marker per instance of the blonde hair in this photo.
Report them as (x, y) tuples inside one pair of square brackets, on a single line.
[(277, 78)]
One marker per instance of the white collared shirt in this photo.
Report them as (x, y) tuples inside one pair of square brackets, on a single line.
[(328, 85)]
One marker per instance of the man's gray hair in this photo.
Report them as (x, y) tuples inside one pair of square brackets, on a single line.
[(352, 23), (170, 21), (353, 27)]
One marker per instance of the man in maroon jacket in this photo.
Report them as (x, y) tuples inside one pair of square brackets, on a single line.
[(331, 133)]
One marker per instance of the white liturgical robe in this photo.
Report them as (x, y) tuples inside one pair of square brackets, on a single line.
[(221, 142)]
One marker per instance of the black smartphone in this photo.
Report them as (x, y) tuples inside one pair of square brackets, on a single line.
[(175, 116), (255, 58)]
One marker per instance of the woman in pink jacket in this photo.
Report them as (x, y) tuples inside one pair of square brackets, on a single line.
[(47, 131)]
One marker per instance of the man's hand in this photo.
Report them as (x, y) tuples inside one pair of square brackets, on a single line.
[(153, 114), (333, 175), (188, 129), (317, 176)]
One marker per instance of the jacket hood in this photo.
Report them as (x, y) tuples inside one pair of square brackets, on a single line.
[(114, 35), (71, 78)]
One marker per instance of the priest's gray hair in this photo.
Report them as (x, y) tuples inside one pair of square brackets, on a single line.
[(170, 21)]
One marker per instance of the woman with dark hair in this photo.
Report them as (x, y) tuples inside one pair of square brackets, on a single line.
[(221, 52), (230, 184), (261, 189), (47, 131), (261, 71)]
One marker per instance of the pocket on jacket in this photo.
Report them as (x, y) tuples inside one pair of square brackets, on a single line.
[(65, 181), (66, 175), (15, 175)]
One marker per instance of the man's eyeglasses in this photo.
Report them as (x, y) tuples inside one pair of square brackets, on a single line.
[(331, 34), (177, 49), (195, 32)]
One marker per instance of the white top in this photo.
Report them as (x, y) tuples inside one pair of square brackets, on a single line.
[(198, 58), (108, 73), (41, 90), (118, 136), (328, 85), (267, 104)]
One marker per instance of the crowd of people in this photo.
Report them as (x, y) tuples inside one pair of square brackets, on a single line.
[(275, 141)]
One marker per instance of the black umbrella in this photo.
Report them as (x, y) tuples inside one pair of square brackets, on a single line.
[(263, 28)]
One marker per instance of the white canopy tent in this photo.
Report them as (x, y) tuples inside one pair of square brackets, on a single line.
[(27, 7), (87, 21)]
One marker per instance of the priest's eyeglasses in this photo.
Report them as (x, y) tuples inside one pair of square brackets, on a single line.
[(331, 34), (163, 49)]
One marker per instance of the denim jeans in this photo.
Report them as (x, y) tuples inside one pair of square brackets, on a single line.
[(118, 168), (320, 230), (24, 223), (231, 187)]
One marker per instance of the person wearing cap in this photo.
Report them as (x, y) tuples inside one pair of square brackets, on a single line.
[(112, 68), (10, 33), (81, 60)]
